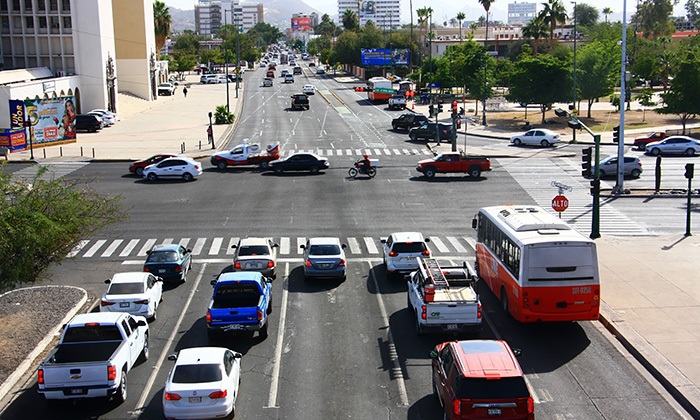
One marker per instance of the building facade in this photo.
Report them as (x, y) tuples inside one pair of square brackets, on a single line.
[(385, 14), (211, 15), (521, 13), (304, 20)]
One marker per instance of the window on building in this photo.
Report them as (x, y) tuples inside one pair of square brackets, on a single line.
[(15, 6), (42, 22), (53, 5), (66, 22), (65, 5), (30, 22), (3, 5), (41, 5), (28, 5)]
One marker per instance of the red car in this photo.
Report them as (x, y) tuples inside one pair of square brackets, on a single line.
[(480, 379), (138, 166)]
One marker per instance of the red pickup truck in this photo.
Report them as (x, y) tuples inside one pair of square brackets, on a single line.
[(642, 141), (454, 162)]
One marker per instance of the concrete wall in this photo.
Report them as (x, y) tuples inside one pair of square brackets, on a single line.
[(135, 40)]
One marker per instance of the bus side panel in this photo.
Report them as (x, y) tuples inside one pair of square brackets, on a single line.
[(496, 277)]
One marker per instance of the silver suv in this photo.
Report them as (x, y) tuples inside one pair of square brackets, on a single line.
[(401, 250)]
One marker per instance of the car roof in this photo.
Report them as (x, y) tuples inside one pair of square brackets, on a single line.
[(680, 137), (253, 241), (200, 355), (310, 154), (546, 130), (486, 359), (324, 241), (97, 317), (185, 158), (408, 237), (131, 277), (166, 247)]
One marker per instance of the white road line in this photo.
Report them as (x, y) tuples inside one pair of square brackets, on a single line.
[(215, 246), (329, 152), (387, 151), (458, 246), (77, 249), (397, 151), (167, 241), (406, 152), (339, 152), (348, 152), (299, 260), (284, 245), (354, 245), (129, 247), (140, 405), (396, 371), (300, 242), (377, 152), (198, 246), (358, 152), (112, 247), (184, 242), (274, 385), (231, 243), (146, 247), (371, 247), (471, 242), (439, 244)]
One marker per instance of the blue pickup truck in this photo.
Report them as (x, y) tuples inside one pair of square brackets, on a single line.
[(241, 302)]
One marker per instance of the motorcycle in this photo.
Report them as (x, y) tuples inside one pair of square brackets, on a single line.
[(360, 168)]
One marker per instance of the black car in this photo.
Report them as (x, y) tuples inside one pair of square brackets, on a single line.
[(427, 131), (408, 121), (87, 122), (300, 101), (300, 162)]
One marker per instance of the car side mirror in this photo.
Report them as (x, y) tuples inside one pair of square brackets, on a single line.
[(141, 323), (383, 241), (434, 354), (108, 281), (237, 355), (275, 245), (474, 223), (517, 352), (172, 357), (189, 251), (148, 252), (213, 282), (160, 279)]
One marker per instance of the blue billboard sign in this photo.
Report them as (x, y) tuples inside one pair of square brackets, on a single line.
[(382, 57)]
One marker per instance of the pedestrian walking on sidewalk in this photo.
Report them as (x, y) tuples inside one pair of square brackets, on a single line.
[(184, 90), (210, 135)]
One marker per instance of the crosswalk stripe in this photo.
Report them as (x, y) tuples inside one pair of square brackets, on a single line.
[(129, 247), (77, 249), (348, 152), (198, 246), (230, 250), (397, 152), (471, 242), (215, 246), (458, 246), (284, 245), (146, 247), (184, 242), (112, 247), (167, 241), (371, 247), (94, 248), (377, 152), (359, 152), (329, 152), (438, 243), (387, 151), (354, 245), (339, 152), (406, 152), (300, 242)]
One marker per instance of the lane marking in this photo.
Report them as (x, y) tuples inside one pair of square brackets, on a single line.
[(231, 243), (300, 241), (168, 241), (354, 245), (129, 247), (184, 242), (439, 244), (458, 246), (198, 246), (215, 246), (371, 247), (112, 247), (77, 248), (274, 385), (284, 245), (146, 247)]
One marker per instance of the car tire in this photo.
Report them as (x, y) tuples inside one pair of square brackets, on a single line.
[(393, 126), (121, 394), (601, 173), (139, 172), (145, 352), (264, 164), (641, 146), (413, 137), (544, 143), (504, 300), (263, 332), (636, 173), (655, 151), (475, 171), (430, 172), (690, 152), (221, 164), (517, 142), (314, 170), (152, 177), (187, 177)]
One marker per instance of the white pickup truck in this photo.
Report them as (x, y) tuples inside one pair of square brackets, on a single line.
[(397, 102), (444, 299), (93, 357)]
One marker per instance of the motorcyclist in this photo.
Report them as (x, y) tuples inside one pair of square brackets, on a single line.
[(363, 165)]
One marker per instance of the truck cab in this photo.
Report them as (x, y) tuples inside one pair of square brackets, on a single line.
[(246, 154), (642, 141)]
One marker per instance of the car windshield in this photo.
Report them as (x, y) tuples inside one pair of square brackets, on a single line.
[(253, 250), (492, 389), (192, 374), (406, 247), (162, 256), (324, 250), (125, 288)]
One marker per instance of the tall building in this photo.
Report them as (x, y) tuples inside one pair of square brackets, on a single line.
[(385, 14), (211, 15), (521, 13)]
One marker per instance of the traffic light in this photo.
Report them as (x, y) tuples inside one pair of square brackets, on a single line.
[(616, 134), (439, 110), (595, 187), (454, 106), (432, 110), (689, 170), (586, 159)]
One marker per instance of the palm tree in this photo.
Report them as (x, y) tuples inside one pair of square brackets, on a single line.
[(349, 20), (460, 18), (422, 19), (535, 30), (487, 5), (607, 11), (162, 22), (473, 27), (554, 12)]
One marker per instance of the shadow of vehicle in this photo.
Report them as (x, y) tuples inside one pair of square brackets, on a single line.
[(443, 178), (296, 283)]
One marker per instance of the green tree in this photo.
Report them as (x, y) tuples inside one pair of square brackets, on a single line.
[(422, 14), (182, 63), (350, 20), (692, 8), (210, 56), (653, 18), (543, 80), (607, 11), (552, 14), (682, 98), (187, 43), (535, 30), (162, 21), (460, 17), (327, 28), (347, 48), (597, 71), (42, 220), (586, 15), (265, 33), (223, 116), (487, 6), (645, 99), (372, 37)]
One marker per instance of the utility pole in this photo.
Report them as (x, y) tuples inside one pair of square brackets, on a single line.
[(623, 79), (226, 61), (574, 102), (239, 30)]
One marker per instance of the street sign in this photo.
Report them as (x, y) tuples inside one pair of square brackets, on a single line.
[(560, 203)]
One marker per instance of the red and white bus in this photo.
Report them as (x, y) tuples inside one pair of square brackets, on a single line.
[(537, 265), (379, 89)]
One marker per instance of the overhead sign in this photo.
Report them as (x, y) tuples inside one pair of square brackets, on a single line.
[(560, 203), (385, 57)]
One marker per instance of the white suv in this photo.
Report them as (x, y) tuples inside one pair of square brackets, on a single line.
[(401, 250)]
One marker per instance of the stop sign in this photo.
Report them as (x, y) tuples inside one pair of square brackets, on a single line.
[(560, 203)]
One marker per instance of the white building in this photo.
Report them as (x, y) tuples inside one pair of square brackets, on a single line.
[(211, 15), (521, 13), (386, 14)]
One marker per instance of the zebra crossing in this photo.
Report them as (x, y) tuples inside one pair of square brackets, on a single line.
[(535, 176), (120, 248), (54, 170), (375, 152)]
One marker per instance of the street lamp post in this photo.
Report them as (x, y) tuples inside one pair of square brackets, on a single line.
[(621, 143), (486, 50), (238, 57), (574, 95), (226, 63)]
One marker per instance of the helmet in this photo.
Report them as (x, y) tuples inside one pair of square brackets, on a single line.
[(365, 156)]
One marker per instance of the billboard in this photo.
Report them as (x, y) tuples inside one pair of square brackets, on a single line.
[(368, 10), (381, 57), (301, 23), (13, 138), (52, 120)]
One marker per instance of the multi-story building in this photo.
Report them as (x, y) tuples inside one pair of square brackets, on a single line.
[(521, 13), (211, 15), (385, 14)]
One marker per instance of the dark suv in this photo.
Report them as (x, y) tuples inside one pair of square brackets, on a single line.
[(408, 121), (300, 101), (86, 122), (480, 379), (427, 131)]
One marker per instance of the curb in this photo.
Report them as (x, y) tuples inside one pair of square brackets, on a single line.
[(674, 382), (26, 364)]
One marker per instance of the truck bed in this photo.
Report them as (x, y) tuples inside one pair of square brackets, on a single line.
[(454, 295), (84, 352)]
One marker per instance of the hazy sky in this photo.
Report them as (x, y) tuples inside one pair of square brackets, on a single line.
[(446, 9)]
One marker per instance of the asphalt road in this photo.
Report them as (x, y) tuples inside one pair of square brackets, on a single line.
[(335, 349)]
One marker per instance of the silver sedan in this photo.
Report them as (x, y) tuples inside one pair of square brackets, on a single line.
[(674, 145)]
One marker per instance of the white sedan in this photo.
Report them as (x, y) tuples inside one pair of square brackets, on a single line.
[(137, 293), (674, 145), (107, 112), (174, 167), (308, 89), (202, 384), (540, 136)]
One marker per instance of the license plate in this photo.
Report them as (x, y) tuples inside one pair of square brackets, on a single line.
[(255, 266), (162, 270), (124, 304), (494, 411), (325, 265), (77, 391), (452, 327), (199, 400)]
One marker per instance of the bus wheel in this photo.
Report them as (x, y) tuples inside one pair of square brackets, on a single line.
[(504, 300)]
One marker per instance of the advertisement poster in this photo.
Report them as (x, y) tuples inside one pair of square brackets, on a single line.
[(52, 120), (16, 113), (301, 23), (382, 57), (13, 139), (368, 10)]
